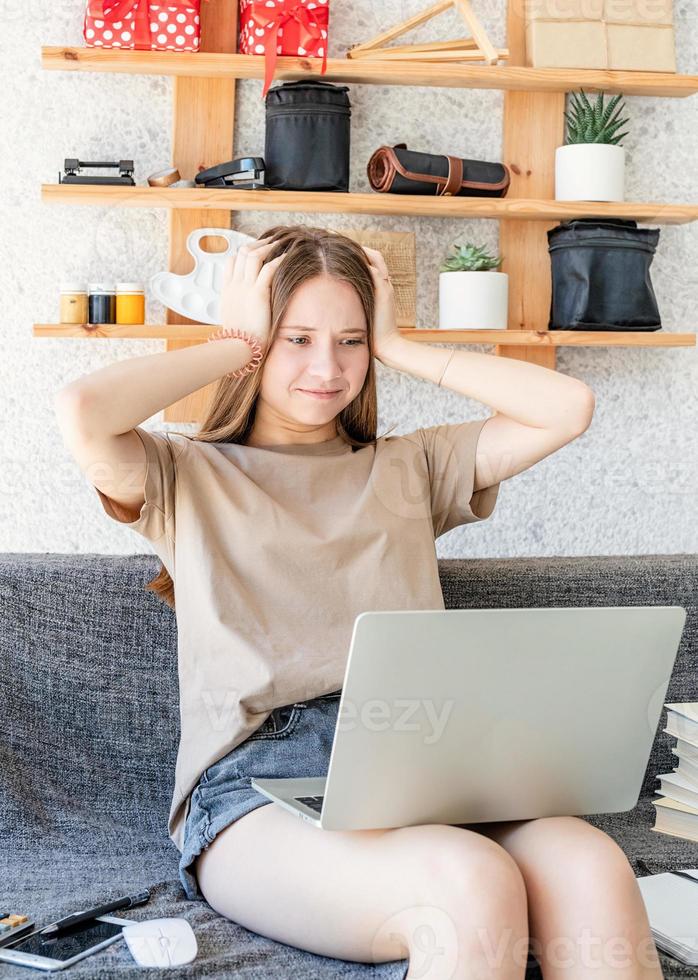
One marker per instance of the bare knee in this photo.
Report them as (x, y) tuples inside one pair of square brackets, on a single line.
[(466, 865), (470, 878), (465, 904), (572, 851)]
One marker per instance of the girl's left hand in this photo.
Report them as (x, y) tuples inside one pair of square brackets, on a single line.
[(385, 328)]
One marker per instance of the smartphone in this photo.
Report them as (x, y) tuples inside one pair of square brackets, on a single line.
[(69, 946)]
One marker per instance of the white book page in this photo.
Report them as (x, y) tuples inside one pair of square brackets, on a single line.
[(689, 709)]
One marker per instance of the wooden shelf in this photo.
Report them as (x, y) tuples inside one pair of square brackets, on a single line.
[(532, 127), (521, 338), (412, 205), (368, 72)]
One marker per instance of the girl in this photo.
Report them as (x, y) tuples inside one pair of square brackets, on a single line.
[(281, 520)]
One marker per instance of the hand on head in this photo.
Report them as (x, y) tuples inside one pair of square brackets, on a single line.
[(246, 290)]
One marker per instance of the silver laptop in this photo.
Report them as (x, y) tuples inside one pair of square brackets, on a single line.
[(478, 715)]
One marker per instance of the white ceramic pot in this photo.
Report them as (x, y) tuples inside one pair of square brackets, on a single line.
[(473, 300), (590, 172)]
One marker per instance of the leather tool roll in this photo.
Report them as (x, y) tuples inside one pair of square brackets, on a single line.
[(397, 170)]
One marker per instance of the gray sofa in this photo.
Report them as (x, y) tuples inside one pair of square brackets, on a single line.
[(89, 729)]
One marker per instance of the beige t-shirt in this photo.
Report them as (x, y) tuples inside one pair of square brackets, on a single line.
[(275, 551)]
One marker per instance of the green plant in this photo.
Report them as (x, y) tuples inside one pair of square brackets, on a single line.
[(587, 123), (469, 258)]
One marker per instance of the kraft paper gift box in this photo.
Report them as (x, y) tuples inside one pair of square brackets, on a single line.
[(632, 35), (566, 44), (633, 47)]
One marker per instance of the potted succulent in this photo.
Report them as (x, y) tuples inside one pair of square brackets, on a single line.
[(591, 165), (472, 296)]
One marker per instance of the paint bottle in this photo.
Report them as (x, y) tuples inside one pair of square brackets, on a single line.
[(130, 302), (73, 306), (101, 303)]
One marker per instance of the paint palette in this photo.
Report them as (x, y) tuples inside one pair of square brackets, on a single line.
[(197, 295)]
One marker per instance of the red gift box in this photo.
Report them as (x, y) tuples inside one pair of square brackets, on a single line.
[(291, 27), (174, 25)]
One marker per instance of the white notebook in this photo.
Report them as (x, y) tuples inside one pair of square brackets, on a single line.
[(672, 908)]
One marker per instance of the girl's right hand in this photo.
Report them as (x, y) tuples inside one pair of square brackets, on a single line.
[(246, 290)]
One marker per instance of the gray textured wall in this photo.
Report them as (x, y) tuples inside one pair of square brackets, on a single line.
[(628, 485)]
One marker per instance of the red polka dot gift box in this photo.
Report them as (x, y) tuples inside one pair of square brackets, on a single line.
[(140, 24), (287, 27)]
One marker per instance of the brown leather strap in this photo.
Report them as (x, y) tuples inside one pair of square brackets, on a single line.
[(455, 176)]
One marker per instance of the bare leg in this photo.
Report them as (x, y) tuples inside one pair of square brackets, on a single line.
[(586, 913), (451, 901)]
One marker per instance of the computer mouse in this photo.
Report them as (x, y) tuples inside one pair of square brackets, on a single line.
[(161, 942)]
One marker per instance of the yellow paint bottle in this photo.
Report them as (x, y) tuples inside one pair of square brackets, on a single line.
[(130, 302)]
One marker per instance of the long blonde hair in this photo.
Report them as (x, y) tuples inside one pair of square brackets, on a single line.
[(309, 252)]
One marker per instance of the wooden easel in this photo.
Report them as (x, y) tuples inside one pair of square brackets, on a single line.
[(475, 48)]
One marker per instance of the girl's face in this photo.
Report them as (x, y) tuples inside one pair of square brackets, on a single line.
[(322, 345)]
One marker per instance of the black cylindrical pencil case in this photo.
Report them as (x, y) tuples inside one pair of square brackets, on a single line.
[(307, 136)]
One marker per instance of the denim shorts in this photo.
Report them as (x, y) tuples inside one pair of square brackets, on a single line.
[(294, 741)]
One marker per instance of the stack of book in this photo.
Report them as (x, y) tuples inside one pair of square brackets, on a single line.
[(677, 810)]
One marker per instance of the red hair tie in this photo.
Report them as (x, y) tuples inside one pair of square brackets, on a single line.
[(251, 340)]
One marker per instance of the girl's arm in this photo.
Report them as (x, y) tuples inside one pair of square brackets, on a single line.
[(114, 399), (97, 413), (537, 410)]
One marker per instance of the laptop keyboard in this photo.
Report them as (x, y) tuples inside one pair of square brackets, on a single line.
[(314, 802)]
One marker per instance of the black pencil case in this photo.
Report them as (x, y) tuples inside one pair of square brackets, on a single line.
[(601, 275), (307, 136)]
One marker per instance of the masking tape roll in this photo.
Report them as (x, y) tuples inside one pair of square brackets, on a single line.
[(163, 178)]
